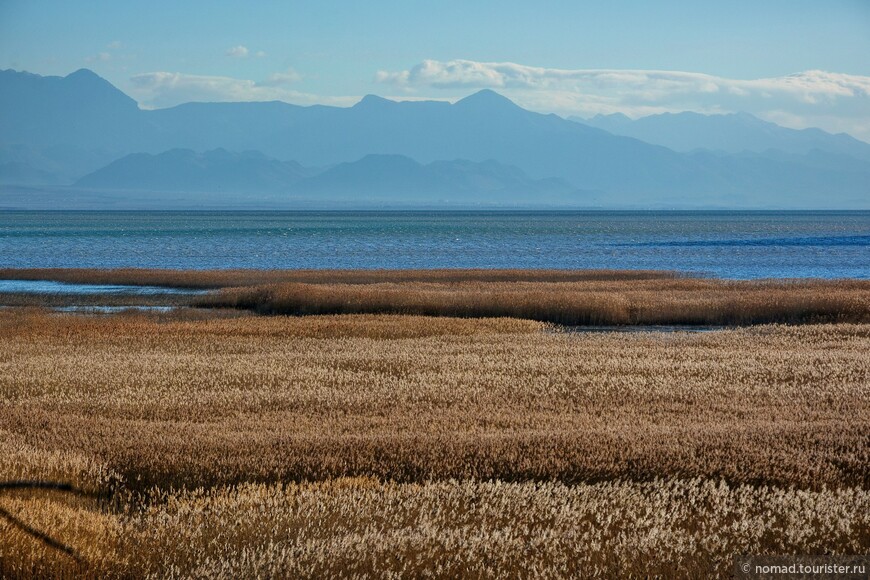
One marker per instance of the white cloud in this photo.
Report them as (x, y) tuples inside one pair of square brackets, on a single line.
[(278, 79), (166, 89), (237, 51), (810, 87), (242, 51), (100, 57), (107, 55), (834, 101)]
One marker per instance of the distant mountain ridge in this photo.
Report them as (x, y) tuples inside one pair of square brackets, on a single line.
[(727, 133), (379, 177), (184, 170), (59, 129)]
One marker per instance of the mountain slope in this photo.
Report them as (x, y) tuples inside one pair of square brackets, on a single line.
[(235, 126), (373, 178), (66, 126), (399, 178), (480, 127), (731, 133), (182, 170), (55, 111)]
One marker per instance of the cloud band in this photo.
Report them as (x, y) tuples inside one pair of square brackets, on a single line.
[(836, 101)]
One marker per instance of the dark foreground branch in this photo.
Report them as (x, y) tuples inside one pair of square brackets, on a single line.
[(33, 532)]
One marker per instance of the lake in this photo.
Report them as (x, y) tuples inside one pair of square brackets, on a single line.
[(723, 244)]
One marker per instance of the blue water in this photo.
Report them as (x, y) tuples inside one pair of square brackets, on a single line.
[(50, 287), (115, 309), (723, 244)]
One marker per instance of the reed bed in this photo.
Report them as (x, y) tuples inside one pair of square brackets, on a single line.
[(451, 529), (166, 402), (376, 445), (568, 297), (649, 301)]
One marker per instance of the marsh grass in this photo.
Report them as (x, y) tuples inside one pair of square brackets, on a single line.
[(363, 528), (668, 301), (376, 445), (579, 297), (168, 401)]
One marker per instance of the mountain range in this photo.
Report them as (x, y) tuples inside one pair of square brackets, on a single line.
[(377, 178), (79, 133), (726, 133)]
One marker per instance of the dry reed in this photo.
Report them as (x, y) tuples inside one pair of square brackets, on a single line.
[(170, 402), (581, 297), (673, 301), (365, 529), (608, 454)]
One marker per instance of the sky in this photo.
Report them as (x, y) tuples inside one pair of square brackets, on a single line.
[(798, 63)]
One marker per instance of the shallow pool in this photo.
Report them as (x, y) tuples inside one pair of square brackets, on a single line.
[(52, 287)]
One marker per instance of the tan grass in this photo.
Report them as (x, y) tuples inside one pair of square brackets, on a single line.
[(578, 297), (211, 402), (365, 529), (669, 301), (610, 454)]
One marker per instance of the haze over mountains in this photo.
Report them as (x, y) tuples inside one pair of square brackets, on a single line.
[(377, 178), (81, 132), (728, 133)]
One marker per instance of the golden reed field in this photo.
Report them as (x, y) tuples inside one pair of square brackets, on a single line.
[(218, 445), (584, 297)]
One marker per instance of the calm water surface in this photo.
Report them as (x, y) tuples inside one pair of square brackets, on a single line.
[(50, 287), (724, 244)]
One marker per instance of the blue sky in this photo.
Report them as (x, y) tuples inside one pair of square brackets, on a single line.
[(800, 63)]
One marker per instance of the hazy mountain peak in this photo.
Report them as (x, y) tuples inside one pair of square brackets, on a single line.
[(619, 118), (87, 80), (184, 170), (487, 98), (615, 116), (11, 73), (177, 153), (391, 160), (84, 73), (373, 101), (400, 178), (730, 133)]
